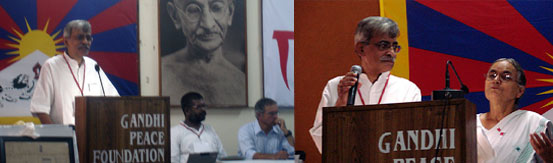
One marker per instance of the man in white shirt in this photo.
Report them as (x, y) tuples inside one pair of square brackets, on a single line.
[(63, 77), (376, 45), (191, 135)]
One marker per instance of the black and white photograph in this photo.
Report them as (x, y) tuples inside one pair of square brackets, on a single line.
[(203, 49)]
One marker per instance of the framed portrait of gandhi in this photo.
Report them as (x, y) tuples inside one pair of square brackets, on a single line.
[(203, 50)]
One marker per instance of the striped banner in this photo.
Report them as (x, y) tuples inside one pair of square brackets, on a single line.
[(31, 32), (473, 34)]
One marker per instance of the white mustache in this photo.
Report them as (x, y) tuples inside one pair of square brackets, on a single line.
[(387, 59), (84, 46), (209, 33)]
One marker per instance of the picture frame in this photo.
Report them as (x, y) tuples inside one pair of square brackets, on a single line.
[(44, 149), (213, 62)]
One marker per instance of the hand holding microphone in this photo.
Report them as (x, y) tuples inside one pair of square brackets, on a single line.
[(348, 86)]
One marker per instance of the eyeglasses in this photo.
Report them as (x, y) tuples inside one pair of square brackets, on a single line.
[(193, 12), (272, 113), (505, 76), (386, 45), (81, 37)]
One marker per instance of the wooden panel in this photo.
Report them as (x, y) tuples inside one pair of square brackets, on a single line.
[(323, 49), (382, 133), (126, 129)]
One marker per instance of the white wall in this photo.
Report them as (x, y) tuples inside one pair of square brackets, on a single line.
[(148, 45), (226, 121)]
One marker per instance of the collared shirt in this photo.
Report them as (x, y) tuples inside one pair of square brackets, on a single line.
[(186, 140), (251, 140), (397, 90), (56, 87), (509, 139)]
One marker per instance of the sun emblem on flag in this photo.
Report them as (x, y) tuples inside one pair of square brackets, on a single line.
[(37, 39), (547, 80)]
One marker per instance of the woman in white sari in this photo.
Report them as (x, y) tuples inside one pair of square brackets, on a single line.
[(505, 133)]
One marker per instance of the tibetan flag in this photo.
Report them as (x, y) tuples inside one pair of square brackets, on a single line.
[(473, 34), (32, 31)]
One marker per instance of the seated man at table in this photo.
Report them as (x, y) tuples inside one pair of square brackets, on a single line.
[(191, 135), (267, 137)]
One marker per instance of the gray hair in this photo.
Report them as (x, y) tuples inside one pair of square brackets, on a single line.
[(83, 25), (375, 26), (260, 105), (521, 78)]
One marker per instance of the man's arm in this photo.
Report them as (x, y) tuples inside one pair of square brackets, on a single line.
[(291, 140), (246, 145), (415, 94), (288, 144), (43, 95), (285, 131), (44, 118), (316, 131), (175, 145)]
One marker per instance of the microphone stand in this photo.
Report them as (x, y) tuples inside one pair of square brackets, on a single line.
[(97, 67), (447, 94)]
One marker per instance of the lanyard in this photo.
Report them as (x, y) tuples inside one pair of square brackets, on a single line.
[(192, 130), (74, 78), (381, 94)]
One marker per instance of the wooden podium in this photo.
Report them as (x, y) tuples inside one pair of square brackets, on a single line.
[(400, 133), (123, 129)]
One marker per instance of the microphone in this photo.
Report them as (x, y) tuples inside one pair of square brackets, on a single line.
[(464, 88), (447, 74), (97, 67), (448, 93), (351, 94)]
